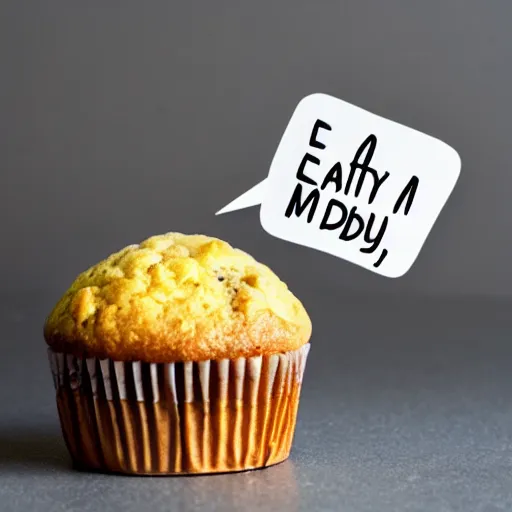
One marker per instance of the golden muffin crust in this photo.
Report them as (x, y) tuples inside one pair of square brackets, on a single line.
[(177, 297)]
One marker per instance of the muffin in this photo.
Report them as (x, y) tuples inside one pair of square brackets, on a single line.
[(180, 355)]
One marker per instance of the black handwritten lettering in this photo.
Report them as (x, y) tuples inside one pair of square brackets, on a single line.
[(300, 172), (345, 232), (296, 206), (369, 146), (376, 240), (409, 191), (313, 142), (383, 254), (334, 225), (352, 225), (333, 176), (376, 185)]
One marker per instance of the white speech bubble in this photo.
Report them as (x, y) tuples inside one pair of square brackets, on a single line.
[(355, 185)]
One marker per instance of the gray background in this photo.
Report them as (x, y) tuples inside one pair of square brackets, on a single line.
[(122, 119), (119, 120)]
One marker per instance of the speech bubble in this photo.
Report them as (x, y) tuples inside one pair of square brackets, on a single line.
[(355, 185)]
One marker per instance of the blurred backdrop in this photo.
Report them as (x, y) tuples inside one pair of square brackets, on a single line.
[(120, 120)]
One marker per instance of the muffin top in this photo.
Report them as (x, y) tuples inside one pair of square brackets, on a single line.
[(177, 297)]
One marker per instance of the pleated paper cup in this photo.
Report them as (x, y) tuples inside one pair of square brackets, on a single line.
[(178, 418)]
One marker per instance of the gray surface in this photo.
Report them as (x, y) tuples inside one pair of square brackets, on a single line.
[(123, 119), (405, 407)]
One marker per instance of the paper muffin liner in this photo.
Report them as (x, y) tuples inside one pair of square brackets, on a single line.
[(178, 418)]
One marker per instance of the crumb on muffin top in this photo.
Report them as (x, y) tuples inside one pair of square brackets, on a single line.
[(177, 297)]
